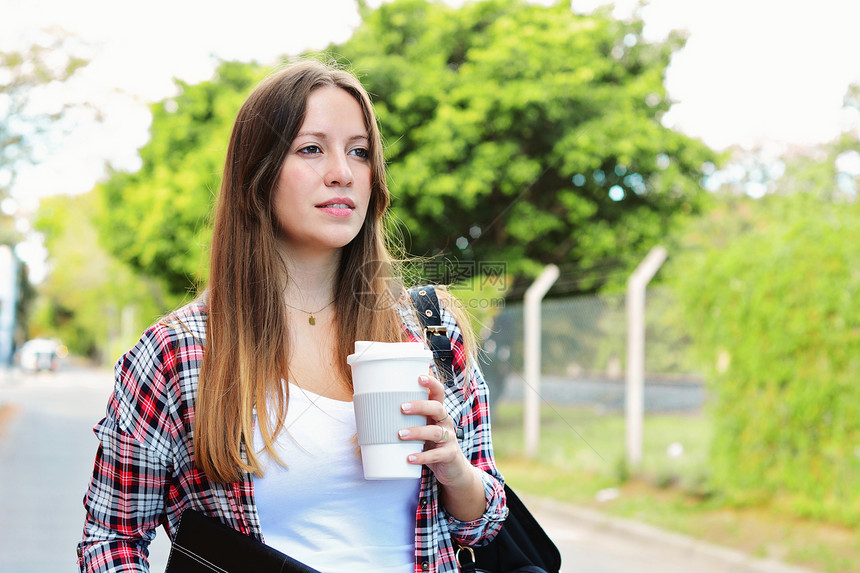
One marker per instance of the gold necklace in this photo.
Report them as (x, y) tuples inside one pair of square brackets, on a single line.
[(311, 320)]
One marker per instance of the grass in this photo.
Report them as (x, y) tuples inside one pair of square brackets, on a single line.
[(581, 457)]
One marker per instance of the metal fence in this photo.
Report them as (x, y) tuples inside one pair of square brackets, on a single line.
[(583, 354)]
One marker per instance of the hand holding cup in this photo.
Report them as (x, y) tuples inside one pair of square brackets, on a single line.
[(384, 376), (442, 452)]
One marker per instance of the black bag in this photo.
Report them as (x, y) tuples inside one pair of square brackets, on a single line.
[(522, 546), (205, 545)]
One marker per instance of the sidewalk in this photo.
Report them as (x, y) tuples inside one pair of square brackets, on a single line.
[(572, 527)]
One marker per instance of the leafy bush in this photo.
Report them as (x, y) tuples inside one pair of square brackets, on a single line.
[(775, 311)]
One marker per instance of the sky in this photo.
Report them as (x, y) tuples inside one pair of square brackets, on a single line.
[(753, 74)]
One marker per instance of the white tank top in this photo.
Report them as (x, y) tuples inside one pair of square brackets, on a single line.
[(320, 509)]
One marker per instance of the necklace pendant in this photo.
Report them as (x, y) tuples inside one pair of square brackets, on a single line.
[(311, 320)]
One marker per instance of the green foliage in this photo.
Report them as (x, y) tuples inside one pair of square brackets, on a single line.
[(774, 307), (481, 297), (155, 219), (513, 122), (819, 174), (95, 304), (507, 126)]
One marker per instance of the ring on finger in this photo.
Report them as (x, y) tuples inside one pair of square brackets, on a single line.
[(444, 436), (442, 420)]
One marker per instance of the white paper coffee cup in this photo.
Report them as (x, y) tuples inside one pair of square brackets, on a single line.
[(384, 376)]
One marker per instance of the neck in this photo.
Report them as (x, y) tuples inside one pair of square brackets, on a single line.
[(310, 279)]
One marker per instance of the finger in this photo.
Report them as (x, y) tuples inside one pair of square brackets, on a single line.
[(444, 437), (437, 455), (432, 434), (434, 386), (432, 409)]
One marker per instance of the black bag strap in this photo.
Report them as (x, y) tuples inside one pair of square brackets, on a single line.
[(426, 302)]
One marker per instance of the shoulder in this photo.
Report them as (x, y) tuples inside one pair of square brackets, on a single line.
[(159, 373), (185, 326), (449, 308), (409, 317), (453, 317), (456, 323)]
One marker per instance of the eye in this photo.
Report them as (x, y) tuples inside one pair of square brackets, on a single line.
[(360, 152), (309, 150)]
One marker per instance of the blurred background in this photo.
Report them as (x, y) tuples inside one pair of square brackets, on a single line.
[(518, 135)]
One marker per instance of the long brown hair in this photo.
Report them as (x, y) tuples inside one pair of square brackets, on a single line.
[(247, 355)]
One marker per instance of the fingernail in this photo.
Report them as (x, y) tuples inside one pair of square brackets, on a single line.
[(412, 458), (406, 407), (424, 379)]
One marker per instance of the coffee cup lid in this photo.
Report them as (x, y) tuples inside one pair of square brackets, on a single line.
[(366, 350)]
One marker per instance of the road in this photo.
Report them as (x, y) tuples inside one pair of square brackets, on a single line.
[(47, 449), (46, 454)]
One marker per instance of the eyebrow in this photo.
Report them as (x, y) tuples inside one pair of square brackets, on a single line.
[(322, 135)]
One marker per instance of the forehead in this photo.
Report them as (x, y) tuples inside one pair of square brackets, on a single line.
[(333, 109)]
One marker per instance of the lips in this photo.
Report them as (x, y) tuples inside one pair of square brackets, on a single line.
[(337, 203)]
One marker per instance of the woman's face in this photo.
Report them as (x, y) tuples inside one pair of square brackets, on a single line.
[(323, 189)]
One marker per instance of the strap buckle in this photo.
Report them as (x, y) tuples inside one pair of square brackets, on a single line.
[(435, 330), (466, 549)]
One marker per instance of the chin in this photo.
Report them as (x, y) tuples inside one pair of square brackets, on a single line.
[(319, 244)]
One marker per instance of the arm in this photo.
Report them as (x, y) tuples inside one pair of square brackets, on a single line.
[(471, 488), (462, 488), (125, 500)]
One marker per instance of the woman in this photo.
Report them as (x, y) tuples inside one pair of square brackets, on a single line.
[(239, 404)]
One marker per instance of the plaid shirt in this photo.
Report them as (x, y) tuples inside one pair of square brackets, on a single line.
[(144, 474)]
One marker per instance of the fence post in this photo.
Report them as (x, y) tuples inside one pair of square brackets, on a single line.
[(533, 297), (634, 406)]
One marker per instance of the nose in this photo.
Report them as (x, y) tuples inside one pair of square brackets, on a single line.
[(338, 172)]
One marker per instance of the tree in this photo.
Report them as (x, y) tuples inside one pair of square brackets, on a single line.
[(155, 219), (526, 134), (96, 304), (26, 120), (516, 134)]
